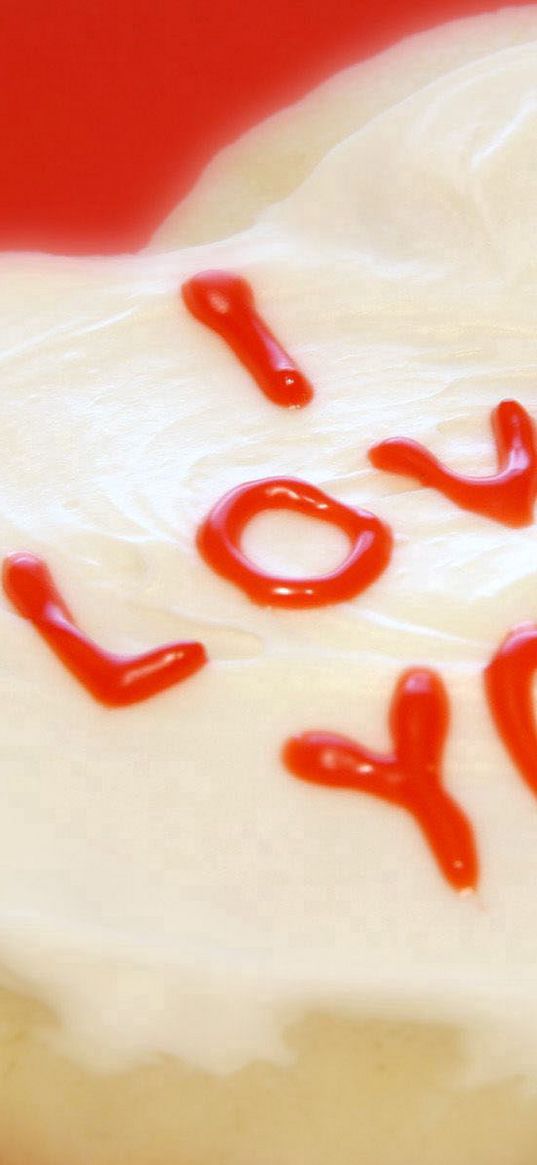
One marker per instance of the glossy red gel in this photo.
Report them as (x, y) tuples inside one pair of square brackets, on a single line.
[(114, 680), (219, 543), (225, 303), (410, 776), (506, 496)]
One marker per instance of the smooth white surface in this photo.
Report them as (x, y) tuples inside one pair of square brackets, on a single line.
[(165, 883)]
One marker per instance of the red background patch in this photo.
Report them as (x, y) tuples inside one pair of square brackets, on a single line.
[(110, 108)]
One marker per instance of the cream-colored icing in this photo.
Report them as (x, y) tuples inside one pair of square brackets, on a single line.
[(270, 161), (165, 883)]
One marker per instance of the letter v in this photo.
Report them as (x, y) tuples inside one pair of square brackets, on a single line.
[(506, 496)]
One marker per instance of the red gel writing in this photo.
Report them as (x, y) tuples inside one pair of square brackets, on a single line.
[(115, 680), (507, 496), (219, 543), (225, 302), (509, 687), (409, 777)]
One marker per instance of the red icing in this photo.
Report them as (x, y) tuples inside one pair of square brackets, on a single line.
[(509, 686), (115, 680), (409, 777), (507, 496), (219, 543), (225, 302)]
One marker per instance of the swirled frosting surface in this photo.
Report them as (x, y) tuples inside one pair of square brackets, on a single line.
[(165, 883)]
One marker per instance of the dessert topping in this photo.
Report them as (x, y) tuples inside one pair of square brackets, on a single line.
[(115, 680), (409, 777), (225, 302), (220, 534), (506, 496)]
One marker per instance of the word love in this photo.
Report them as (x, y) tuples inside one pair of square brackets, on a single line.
[(507, 496), (409, 777), (225, 303), (114, 680)]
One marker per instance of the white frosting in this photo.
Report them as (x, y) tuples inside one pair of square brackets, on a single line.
[(165, 883), (270, 161)]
